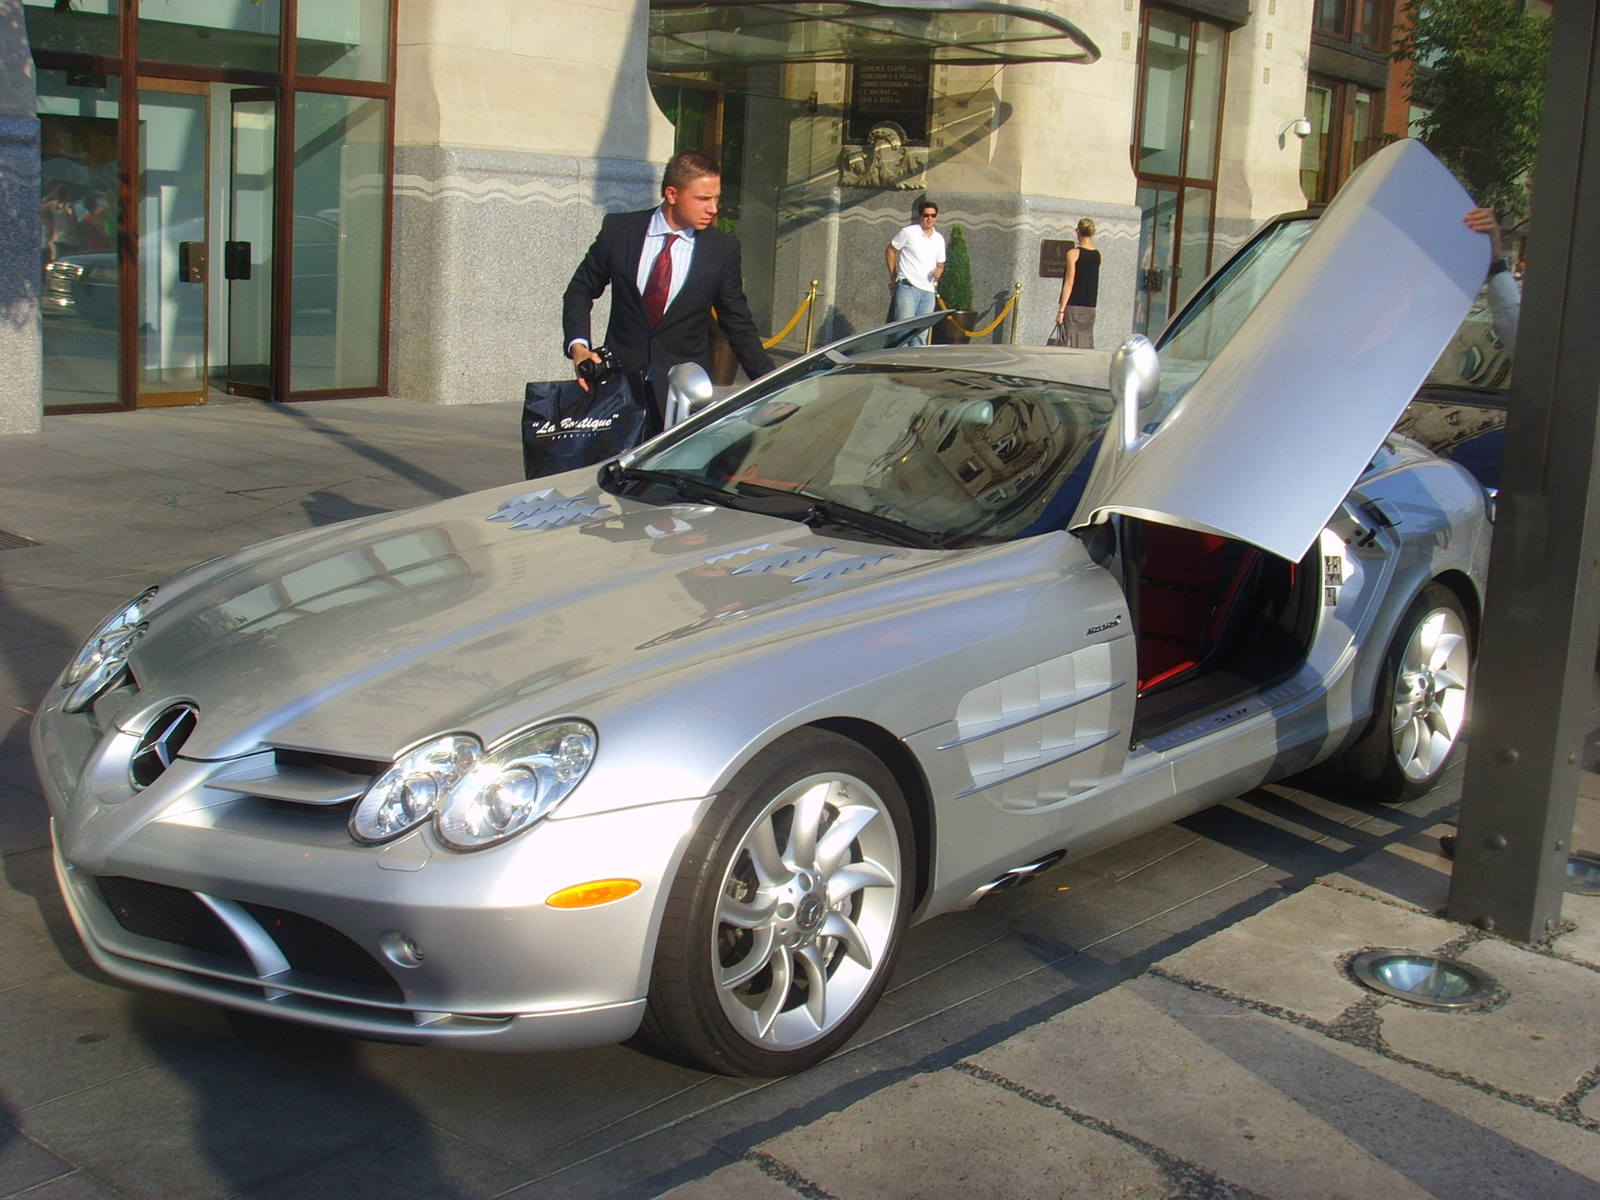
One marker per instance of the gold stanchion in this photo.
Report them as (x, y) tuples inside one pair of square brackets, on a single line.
[(1016, 310), (811, 313)]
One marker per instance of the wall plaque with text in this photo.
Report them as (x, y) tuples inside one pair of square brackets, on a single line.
[(897, 92), (1053, 258)]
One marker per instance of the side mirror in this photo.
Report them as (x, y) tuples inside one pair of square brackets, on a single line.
[(1135, 378), (688, 390)]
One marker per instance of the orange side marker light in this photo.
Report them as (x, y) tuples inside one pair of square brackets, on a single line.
[(593, 894)]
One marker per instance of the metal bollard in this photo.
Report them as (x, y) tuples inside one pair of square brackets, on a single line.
[(1016, 310), (811, 313)]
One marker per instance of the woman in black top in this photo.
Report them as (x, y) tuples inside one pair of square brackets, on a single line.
[(1080, 289)]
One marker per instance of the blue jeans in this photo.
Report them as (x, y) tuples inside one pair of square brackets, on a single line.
[(911, 301)]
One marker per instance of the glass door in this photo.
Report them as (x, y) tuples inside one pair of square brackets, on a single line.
[(173, 147), (1158, 206), (247, 252)]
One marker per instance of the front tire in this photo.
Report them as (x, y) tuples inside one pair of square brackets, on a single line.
[(1420, 708), (784, 921)]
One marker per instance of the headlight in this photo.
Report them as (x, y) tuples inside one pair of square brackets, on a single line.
[(476, 797), (409, 792), (516, 785), (106, 652)]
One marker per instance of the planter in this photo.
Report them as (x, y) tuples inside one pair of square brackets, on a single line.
[(945, 334)]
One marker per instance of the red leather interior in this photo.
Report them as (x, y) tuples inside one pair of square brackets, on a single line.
[(1190, 581)]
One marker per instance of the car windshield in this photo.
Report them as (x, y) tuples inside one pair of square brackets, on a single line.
[(1198, 335), (951, 456)]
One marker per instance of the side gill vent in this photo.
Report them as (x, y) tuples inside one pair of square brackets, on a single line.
[(162, 741)]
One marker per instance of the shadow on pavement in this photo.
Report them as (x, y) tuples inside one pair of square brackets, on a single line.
[(392, 463), (279, 1110)]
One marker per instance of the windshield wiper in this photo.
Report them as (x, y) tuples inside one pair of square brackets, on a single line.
[(814, 510), (687, 487), (774, 502)]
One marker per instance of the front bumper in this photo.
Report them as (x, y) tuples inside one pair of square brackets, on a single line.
[(168, 968), (299, 922)]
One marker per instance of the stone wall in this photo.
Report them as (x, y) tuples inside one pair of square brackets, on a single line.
[(838, 235), (485, 242), (20, 337)]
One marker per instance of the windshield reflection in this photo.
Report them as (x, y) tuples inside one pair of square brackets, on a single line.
[(960, 455)]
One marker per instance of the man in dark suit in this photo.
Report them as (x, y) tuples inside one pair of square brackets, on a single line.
[(666, 268)]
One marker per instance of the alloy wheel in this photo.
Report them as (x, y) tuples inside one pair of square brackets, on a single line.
[(1430, 694), (806, 912)]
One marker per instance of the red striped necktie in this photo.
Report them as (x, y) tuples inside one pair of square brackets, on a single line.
[(659, 286)]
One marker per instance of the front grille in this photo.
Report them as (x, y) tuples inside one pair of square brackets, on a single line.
[(168, 914), (319, 949)]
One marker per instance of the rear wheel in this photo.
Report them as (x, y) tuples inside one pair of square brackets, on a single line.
[(786, 916), (1421, 705)]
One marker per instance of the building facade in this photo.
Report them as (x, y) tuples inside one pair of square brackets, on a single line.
[(298, 199)]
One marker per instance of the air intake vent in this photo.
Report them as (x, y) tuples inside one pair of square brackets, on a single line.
[(319, 949), (168, 914), (161, 743)]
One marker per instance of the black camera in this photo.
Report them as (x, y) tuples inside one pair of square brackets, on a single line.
[(595, 371)]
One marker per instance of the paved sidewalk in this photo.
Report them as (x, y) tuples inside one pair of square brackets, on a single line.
[(1251, 1065), (1166, 1018)]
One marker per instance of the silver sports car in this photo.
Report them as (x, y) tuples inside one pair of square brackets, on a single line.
[(680, 747)]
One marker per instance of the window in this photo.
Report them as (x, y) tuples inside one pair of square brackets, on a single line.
[(1345, 122), (1182, 61), (1357, 21)]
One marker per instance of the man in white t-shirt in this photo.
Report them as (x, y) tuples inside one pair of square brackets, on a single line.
[(916, 260)]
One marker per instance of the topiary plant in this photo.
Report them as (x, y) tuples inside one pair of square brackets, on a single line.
[(955, 285)]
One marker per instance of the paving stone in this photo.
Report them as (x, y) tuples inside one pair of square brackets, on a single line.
[(740, 1181), (24, 819), (27, 954), (649, 1165), (1583, 943), (29, 894), (527, 1107), (406, 1162), (79, 1185), (1145, 1059), (24, 1164), (933, 1136), (1539, 1043), (200, 1128), (1414, 872), (1288, 955), (70, 1031)]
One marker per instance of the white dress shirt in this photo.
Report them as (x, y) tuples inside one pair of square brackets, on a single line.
[(682, 253)]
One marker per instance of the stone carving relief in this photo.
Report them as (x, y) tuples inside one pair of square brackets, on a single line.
[(885, 161)]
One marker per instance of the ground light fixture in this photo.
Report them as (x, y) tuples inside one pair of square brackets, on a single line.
[(1424, 979), (1583, 873)]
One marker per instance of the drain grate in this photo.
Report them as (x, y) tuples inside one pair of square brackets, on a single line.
[(15, 541)]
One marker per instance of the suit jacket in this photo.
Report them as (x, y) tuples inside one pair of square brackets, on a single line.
[(716, 277)]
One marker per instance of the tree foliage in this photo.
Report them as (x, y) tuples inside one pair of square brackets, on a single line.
[(955, 285), (1479, 67)]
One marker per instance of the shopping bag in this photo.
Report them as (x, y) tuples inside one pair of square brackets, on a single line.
[(1058, 335), (565, 427)]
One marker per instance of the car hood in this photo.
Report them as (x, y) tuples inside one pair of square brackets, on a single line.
[(481, 613)]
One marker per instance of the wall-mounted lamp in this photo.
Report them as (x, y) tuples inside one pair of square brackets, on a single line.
[(1300, 127)]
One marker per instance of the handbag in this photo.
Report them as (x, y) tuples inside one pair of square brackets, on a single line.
[(1058, 335), (565, 427)]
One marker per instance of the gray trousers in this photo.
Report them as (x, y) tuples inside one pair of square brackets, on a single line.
[(1080, 327)]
